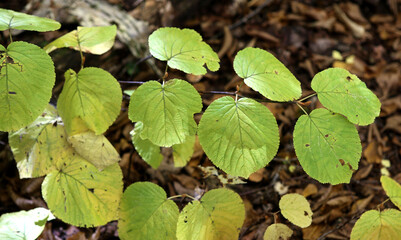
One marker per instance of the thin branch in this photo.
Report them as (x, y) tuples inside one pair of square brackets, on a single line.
[(131, 82), (300, 100)]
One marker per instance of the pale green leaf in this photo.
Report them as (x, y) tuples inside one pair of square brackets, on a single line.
[(21, 21), (278, 231), (26, 80), (296, 209), (182, 153), (146, 213), (327, 146), (183, 49), (38, 146), (343, 92), (266, 74), (81, 195), (96, 149), (238, 137), (148, 151), (393, 190), (166, 111), (94, 40), (92, 95), (24, 225), (129, 92), (375, 225), (219, 215)]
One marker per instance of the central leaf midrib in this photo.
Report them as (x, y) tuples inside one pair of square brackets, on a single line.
[(79, 94)]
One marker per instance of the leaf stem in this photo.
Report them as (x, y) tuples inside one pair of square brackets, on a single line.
[(301, 108), (382, 203), (80, 52), (182, 196), (300, 100), (9, 29)]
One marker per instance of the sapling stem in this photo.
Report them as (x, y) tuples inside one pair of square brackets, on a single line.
[(300, 100), (301, 108), (80, 52), (9, 29)]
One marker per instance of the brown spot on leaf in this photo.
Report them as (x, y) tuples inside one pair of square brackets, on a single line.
[(306, 213), (327, 135), (349, 78), (342, 162), (307, 145)]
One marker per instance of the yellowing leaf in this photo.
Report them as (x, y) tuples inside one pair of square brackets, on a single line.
[(182, 152), (296, 209), (277, 231), (375, 225), (219, 215), (183, 49), (95, 40), (96, 149), (148, 151), (93, 96), (166, 111), (15, 20), (147, 214), (266, 74), (393, 190), (24, 225)]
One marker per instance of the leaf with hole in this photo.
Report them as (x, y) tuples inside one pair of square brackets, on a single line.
[(24, 225), (392, 189), (266, 74), (91, 95), (344, 93), (327, 146), (183, 49), (278, 231), (94, 40), (166, 111), (148, 151), (146, 213), (296, 209), (81, 195), (27, 77), (375, 225), (21, 21), (239, 137), (219, 215)]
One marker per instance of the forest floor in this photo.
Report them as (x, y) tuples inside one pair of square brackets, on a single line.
[(308, 36)]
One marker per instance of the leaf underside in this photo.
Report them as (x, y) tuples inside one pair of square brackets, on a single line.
[(392, 189), (15, 20)]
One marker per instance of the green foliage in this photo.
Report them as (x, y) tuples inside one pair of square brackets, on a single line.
[(93, 96), (166, 111), (264, 73), (146, 213), (327, 146), (393, 190), (33, 148), (24, 225), (239, 137), (219, 215), (378, 225), (183, 152), (94, 40), (183, 49), (296, 209), (27, 78), (21, 21), (343, 92), (278, 231)]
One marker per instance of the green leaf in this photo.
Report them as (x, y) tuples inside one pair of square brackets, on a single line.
[(129, 92), (327, 146), (296, 209), (182, 153), (375, 225), (21, 21), (219, 215), (393, 190), (94, 40), (166, 111), (238, 137), (81, 195), (146, 213), (148, 151), (343, 92), (96, 149), (37, 146), (266, 74), (183, 49), (278, 231), (26, 80), (92, 95), (24, 225)]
